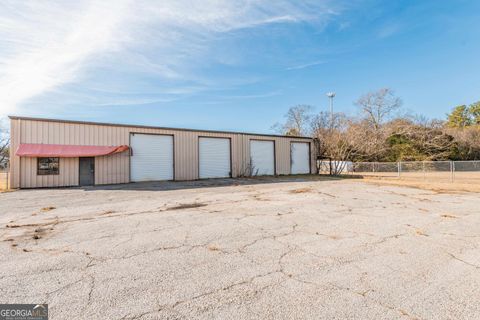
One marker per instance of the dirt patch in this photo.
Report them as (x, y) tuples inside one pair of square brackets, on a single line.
[(301, 190)]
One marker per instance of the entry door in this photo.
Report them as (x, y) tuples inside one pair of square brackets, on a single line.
[(151, 158), (300, 157), (262, 157), (214, 157), (87, 171)]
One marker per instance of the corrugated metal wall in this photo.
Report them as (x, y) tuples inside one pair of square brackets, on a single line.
[(116, 168)]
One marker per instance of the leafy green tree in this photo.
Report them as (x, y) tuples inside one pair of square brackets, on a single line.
[(460, 117), (402, 148), (474, 111)]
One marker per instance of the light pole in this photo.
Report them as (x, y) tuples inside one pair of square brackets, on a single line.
[(331, 95)]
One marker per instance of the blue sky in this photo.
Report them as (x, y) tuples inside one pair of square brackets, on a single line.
[(232, 65)]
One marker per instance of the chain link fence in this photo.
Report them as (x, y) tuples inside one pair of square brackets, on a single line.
[(327, 166), (442, 171)]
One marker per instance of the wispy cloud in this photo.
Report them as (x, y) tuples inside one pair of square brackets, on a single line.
[(389, 30), (306, 65), (46, 45)]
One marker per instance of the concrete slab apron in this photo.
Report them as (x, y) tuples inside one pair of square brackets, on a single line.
[(280, 250)]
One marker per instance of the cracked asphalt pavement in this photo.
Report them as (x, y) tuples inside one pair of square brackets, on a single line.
[(297, 248)]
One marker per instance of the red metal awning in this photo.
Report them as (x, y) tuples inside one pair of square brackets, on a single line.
[(66, 151)]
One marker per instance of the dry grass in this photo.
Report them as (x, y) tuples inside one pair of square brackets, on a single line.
[(420, 232), (3, 181), (437, 186), (213, 247)]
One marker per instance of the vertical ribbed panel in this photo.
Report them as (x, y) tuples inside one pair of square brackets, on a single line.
[(116, 168), (214, 157), (152, 157), (300, 157), (262, 155)]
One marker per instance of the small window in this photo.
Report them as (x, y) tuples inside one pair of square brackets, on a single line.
[(46, 166)]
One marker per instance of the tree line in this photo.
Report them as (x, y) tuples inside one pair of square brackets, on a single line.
[(380, 132), (383, 132)]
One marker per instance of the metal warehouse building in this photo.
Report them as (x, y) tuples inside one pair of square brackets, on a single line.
[(59, 153)]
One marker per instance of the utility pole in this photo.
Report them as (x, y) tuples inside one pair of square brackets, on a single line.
[(331, 95)]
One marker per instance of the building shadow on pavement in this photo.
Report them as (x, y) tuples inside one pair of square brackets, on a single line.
[(209, 183)]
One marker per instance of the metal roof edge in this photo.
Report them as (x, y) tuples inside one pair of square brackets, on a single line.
[(152, 127)]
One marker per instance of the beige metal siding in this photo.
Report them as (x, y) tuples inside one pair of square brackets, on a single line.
[(282, 152), (116, 168)]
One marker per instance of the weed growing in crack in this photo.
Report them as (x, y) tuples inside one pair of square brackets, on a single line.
[(213, 247)]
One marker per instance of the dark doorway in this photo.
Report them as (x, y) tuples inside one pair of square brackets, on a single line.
[(87, 171)]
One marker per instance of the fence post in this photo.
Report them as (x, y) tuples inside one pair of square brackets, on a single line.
[(399, 168), (423, 169), (451, 171)]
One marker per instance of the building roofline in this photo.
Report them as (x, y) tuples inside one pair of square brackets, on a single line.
[(152, 127)]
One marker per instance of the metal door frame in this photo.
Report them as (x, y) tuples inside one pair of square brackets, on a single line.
[(79, 171)]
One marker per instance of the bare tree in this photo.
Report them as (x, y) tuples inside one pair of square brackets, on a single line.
[(4, 147), (335, 139), (378, 107), (297, 121)]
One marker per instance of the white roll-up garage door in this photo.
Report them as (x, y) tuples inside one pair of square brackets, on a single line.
[(262, 157), (152, 157), (214, 157), (300, 157)]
